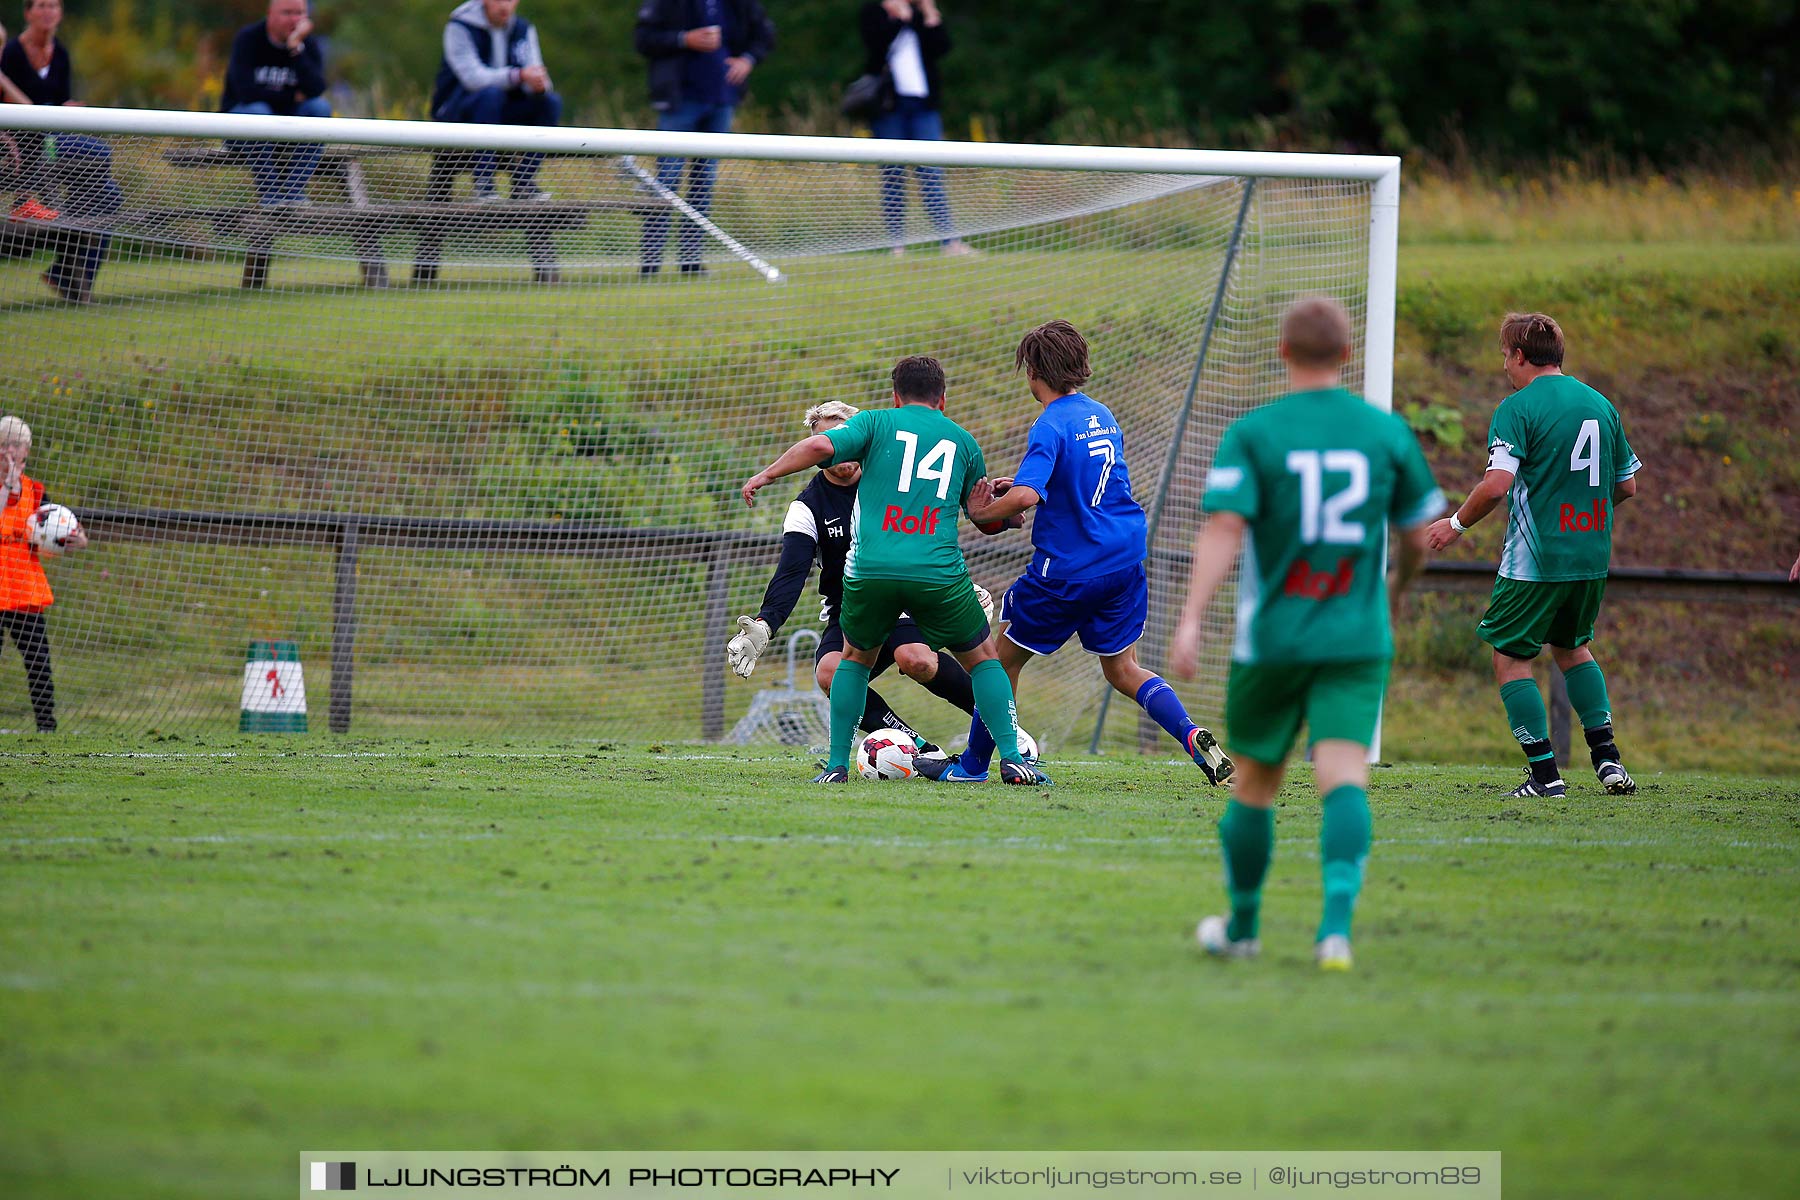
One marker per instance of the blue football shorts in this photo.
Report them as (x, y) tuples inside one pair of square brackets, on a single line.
[(1107, 612)]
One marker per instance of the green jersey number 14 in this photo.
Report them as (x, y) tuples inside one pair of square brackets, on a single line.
[(918, 468), (943, 455)]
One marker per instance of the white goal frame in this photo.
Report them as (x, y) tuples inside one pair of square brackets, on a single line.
[(1382, 171)]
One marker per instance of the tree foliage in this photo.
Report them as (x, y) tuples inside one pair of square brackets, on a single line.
[(1651, 79)]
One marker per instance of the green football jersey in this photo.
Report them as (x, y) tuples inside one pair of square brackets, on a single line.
[(918, 467), (1318, 476), (1566, 450)]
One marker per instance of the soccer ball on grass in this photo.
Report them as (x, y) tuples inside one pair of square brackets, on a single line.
[(886, 754)]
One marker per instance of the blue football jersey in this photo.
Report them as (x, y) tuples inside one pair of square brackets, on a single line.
[(1087, 523)]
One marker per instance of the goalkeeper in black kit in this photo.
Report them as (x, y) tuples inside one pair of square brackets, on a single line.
[(818, 526)]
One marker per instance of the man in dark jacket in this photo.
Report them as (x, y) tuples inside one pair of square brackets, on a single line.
[(278, 69), (701, 52), (493, 74), (906, 40)]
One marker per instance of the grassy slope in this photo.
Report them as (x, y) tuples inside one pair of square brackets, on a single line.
[(1699, 344), (210, 963)]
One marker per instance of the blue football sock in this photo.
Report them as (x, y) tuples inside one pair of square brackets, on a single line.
[(994, 694), (1158, 699), (980, 751)]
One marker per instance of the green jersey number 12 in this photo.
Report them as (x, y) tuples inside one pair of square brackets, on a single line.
[(1322, 516)]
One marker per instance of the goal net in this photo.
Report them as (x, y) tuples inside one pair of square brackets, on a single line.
[(462, 457)]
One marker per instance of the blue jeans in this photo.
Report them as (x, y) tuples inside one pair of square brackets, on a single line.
[(687, 117), (911, 120), (498, 106), (282, 171), (90, 193)]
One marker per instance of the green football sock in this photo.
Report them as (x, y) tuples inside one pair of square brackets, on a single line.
[(1343, 849), (849, 692), (1587, 694), (1247, 837), (1529, 719), (994, 694)]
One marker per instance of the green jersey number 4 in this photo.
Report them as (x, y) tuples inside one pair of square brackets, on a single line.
[(1322, 517), (938, 464), (1586, 454)]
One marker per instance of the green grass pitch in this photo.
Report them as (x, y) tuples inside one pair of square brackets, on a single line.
[(218, 955)]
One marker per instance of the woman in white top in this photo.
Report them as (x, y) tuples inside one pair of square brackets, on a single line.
[(906, 40)]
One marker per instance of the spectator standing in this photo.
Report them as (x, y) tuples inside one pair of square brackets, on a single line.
[(905, 40), (701, 53), (493, 74), (24, 590), (277, 68), (38, 64)]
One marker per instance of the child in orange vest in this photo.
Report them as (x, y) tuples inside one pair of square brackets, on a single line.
[(24, 591)]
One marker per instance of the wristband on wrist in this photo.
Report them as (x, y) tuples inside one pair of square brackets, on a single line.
[(1457, 525)]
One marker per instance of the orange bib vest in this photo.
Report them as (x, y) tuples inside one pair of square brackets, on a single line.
[(22, 582)]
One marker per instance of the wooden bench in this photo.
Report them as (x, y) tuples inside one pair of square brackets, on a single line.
[(63, 237), (365, 227), (431, 221)]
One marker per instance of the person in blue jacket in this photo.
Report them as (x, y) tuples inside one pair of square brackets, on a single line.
[(701, 53)]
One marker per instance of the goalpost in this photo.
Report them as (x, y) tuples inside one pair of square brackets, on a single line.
[(478, 463)]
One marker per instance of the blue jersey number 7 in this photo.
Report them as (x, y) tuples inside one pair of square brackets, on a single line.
[(1102, 449)]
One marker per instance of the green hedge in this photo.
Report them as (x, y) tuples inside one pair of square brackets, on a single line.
[(1651, 78)]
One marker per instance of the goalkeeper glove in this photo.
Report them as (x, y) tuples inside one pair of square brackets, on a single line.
[(743, 650), (987, 602)]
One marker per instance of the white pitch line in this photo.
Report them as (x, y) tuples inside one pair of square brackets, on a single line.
[(342, 983), (275, 755), (226, 839), (1005, 842)]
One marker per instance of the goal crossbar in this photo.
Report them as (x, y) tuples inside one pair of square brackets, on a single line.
[(1382, 171), (437, 135)]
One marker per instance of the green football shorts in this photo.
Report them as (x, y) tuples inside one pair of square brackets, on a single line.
[(1265, 703), (1523, 615), (948, 614)]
